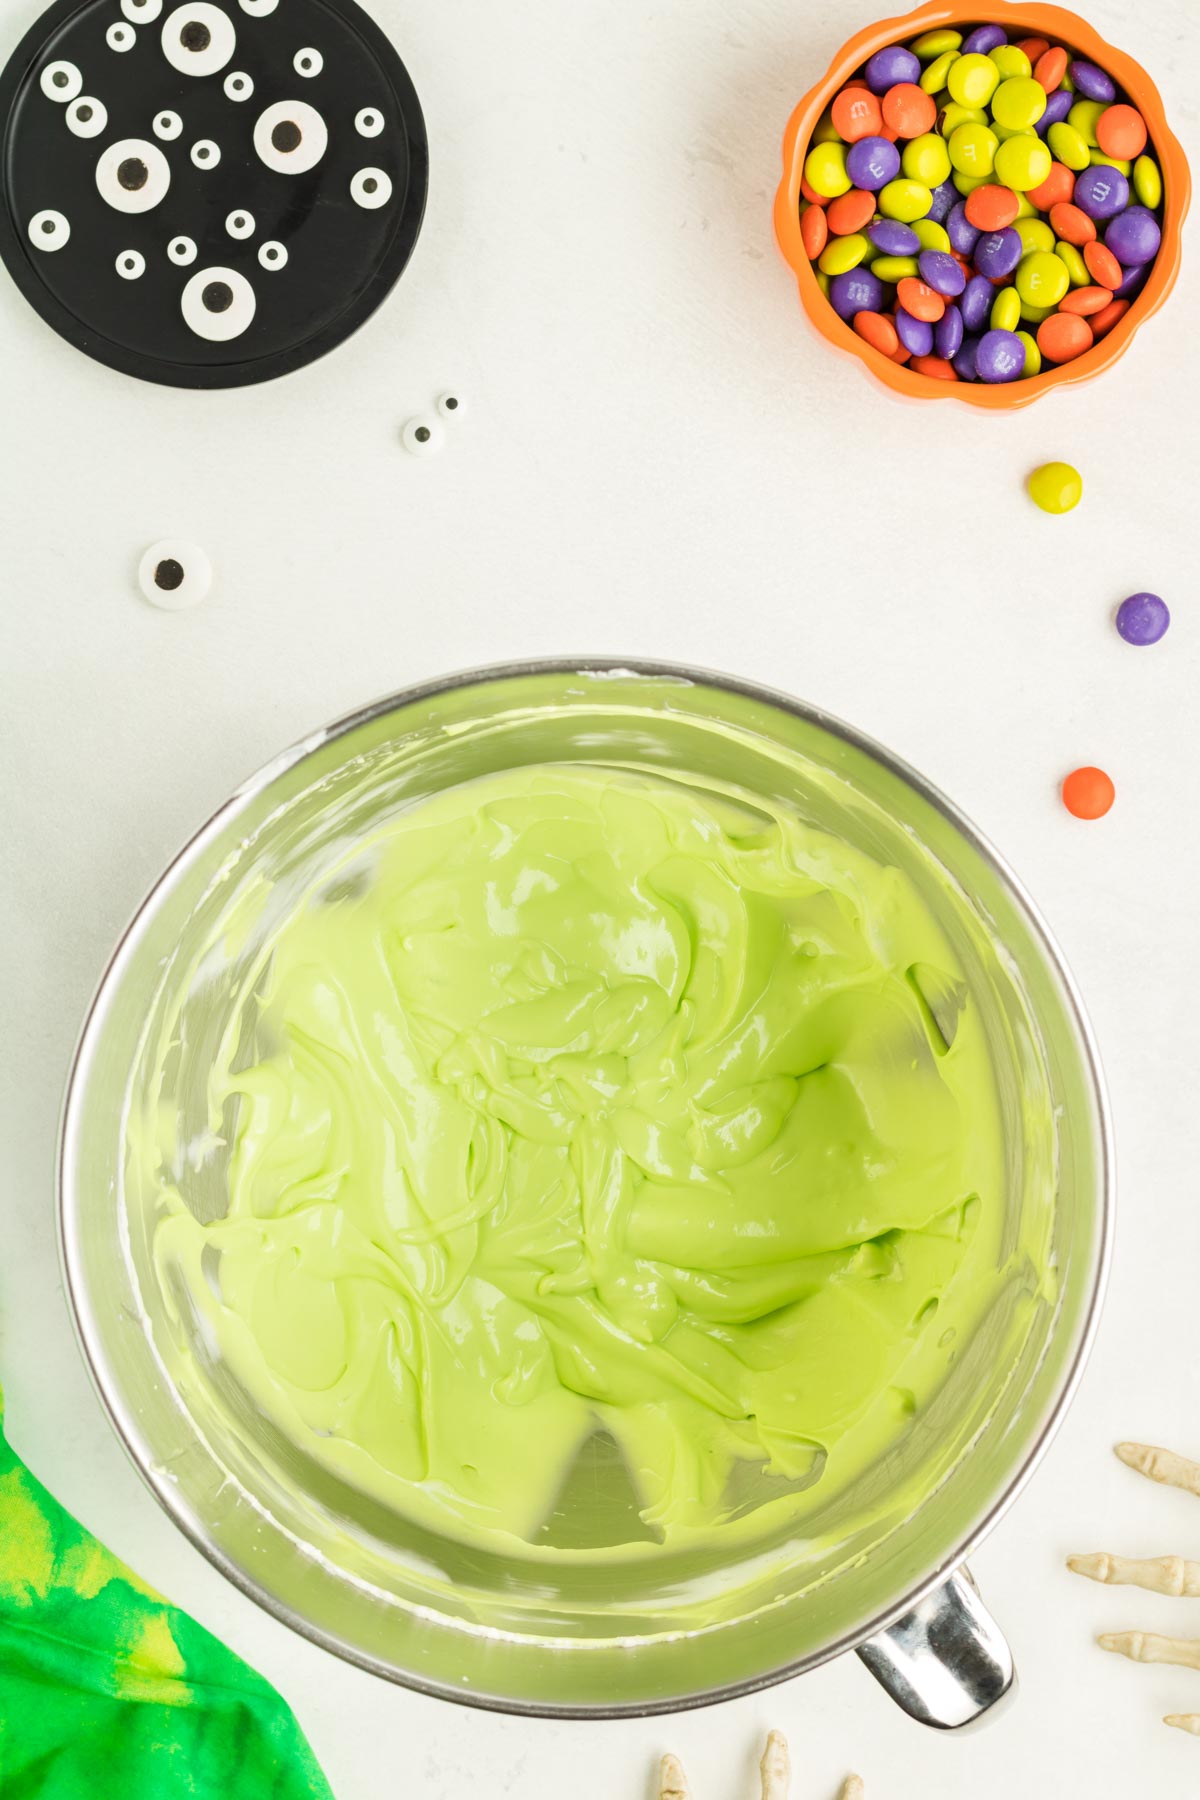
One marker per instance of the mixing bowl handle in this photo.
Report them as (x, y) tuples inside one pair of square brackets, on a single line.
[(947, 1662)]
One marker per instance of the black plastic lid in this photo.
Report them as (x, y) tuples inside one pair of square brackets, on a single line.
[(208, 195)]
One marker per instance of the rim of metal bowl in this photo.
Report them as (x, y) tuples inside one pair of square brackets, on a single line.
[(122, 1418)]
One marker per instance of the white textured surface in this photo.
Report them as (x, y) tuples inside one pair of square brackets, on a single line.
[(650, 466)]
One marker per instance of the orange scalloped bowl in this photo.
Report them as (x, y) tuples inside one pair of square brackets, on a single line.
[(1019, 20)]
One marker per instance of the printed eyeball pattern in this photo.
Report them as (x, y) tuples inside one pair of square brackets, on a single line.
[(304, 208), (49, 230), (61, 81), (87, 117), (174, 574), (133, 175), (371, 188), (198, 39), (290, 137), (218, 304)]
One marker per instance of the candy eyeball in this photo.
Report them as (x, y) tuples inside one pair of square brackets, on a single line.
[(258, 9), (130, 265), (120, 37), (133, 175), (238, 86), (174, 575), (371, 188), (308, 62), (206, 154), (167, 125), (61, 81), (141, 12), (87, 117), (272, 255), (423, 437), (217, 304), (182, 251), (49, 230), (240, 224), (198, 39), (450, 404), (369, 122)]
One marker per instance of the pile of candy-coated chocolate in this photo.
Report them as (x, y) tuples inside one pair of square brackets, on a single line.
[(979, 209)]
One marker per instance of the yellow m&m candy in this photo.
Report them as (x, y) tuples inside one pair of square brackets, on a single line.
[(1022, 163), (973, 80)]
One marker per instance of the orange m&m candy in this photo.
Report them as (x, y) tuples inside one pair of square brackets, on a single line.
[(937, 366), (1063, 336), (877, 330), (1050, 67), (810, 193), (1071, 223), (1102, 265), (1088, 793), (814, 232), (1103, 322), (1121, 131), (856, 114), (1058, 186), (850, 212), (908, 110), (1034, 47), (1085, 300), (991, 207), (919, 301)]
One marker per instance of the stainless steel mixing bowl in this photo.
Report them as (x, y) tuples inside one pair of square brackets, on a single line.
[(612, 1633)]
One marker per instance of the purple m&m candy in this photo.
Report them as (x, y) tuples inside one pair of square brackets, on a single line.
[(940, 272), (1057, 107), (1131, 282), (948, 334), (872, 162), (891, 238), (1093, 83), (887, 67), (976, 303), (1143, 619), (854, 292), (1000, 356), (1133, 237), (962, 234), (983, 40), (915, 334), (1101, 191), (998, 252), (945, 197), (964, 359)]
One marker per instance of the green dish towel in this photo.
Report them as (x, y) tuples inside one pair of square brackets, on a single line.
[(107, 1691)]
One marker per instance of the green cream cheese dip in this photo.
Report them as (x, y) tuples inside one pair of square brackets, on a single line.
[(577, 1101)]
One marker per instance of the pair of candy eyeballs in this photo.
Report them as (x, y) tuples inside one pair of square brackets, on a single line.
[(425, 436)]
